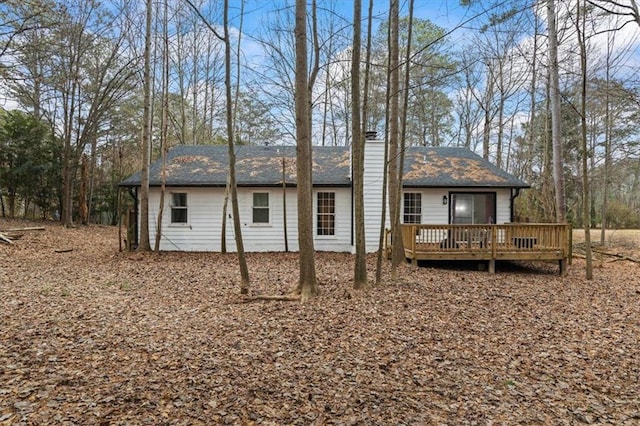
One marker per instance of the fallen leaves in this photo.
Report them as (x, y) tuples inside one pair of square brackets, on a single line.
[(100, 337)]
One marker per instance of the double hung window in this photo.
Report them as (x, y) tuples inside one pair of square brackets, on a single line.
[(326, 214), (412, 207), (179, 210), (261, 208)]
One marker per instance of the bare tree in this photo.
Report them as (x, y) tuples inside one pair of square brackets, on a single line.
[(627, 9), (528, 148), (244, 271), (556, 125), (395, 190), (233, 190), (586, 211), (357, 150), (307, 283), (405, 107), (164, 122), (144, 243), (607, 142), (468, 108)]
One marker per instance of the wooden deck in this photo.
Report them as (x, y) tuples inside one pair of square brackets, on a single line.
[(513, 241)]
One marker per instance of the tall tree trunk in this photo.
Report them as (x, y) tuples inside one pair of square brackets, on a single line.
[(307, 283), (395, 190), (223, 227), (586, 211), (500, 136), (244, 270), (357, 150), (530, 141), (236, 103), (365, 120), (284, 206), (68, 165), (82, 191), (607, 143), (164, 123), (486, 131), (144, 244), (405, 109), (92, 172), (556, 125)]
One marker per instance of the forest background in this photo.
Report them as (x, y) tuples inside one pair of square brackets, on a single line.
[(72, 72)]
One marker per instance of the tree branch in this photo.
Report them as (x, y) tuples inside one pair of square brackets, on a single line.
[(204, 20)]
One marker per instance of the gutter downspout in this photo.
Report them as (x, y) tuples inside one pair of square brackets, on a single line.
[(352, 215), (513, 197), (134, 194)]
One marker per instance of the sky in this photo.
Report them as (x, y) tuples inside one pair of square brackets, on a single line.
[(257, 16), (446, 13)]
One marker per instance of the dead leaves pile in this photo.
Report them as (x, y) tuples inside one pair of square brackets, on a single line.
[(94, 336)]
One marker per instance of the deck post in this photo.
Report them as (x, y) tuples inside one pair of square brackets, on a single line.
[(562, 263), (414, 255), (568, 237), (494, 249)]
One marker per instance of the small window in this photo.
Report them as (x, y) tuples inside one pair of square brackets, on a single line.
[(326, 220), (261, 207), (179, 207), (412, 207)]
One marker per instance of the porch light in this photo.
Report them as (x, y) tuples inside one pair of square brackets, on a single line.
[(445, 200)]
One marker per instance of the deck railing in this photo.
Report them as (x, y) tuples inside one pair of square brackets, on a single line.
[(511, 241)]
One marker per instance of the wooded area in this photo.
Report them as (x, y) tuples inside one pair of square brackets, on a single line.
[(74, 71), (95, 90)]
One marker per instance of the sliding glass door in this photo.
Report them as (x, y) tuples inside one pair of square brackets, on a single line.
[(473, 207)]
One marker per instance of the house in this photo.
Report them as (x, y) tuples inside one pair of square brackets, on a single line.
[(442, 185)]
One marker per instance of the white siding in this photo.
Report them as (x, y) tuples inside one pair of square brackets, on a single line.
[(373, 179), (204, 212), (436, 213), (503, 205), (203, 230), (341, 241)]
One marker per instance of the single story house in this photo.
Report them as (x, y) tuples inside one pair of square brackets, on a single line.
[(442, 185)]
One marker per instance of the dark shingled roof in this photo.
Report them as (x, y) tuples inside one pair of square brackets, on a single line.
[(255, 166), (454, 167), (262, 166)]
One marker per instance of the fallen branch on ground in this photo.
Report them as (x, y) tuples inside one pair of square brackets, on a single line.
[(283, 298), (618, 256), (32, 228)]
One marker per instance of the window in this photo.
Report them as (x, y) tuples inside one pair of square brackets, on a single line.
[(412, 207), (326, 221), (261, 207), (473, 207), (179, 207)]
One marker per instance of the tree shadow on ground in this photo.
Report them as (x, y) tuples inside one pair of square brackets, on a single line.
[(502, 266)]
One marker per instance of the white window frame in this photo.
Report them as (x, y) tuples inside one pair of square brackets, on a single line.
[(404, 207), (173, 207), (331, 214), (268, 208)]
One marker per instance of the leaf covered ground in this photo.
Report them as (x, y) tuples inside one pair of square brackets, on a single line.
[(95, 336)]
